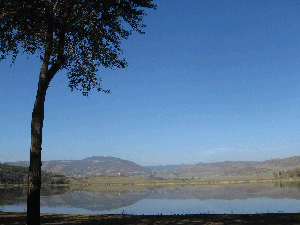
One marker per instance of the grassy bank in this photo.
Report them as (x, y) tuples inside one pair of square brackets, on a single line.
[(124, 180), (140, 182)]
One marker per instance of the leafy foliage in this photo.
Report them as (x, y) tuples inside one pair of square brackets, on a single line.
[(77, 35)]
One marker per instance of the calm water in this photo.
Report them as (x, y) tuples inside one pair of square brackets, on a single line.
[(212, 199)]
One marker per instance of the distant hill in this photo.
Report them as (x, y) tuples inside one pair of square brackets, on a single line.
[(10, 174), (273, 164), (99, 165), (91, 166), (264, 169), (13, 174), (280, 164), (162, 168)]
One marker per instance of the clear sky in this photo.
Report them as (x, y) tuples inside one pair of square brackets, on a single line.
[(210, 81)]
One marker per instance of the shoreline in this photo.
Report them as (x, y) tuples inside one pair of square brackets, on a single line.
[(7, 218), (161, 183)]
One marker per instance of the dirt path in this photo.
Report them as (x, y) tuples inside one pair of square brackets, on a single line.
[(64, 219)]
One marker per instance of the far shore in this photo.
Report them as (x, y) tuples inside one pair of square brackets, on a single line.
[(151, 183), (8, 218)]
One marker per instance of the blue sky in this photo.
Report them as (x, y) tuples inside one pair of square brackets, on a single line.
[(210, 81)]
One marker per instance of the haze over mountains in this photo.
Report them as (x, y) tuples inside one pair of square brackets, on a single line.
[(99, 165)]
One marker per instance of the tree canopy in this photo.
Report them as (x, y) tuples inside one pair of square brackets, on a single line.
[(77, 35)]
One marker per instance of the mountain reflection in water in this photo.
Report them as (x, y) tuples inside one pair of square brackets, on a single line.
[(105, 201)]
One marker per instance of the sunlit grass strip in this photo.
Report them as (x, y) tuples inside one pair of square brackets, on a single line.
[(128, 182)]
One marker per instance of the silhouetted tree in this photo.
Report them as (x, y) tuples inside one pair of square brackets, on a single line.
[(77, 35)]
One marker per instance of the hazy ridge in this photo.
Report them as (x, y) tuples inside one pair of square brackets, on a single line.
[(99, 165)]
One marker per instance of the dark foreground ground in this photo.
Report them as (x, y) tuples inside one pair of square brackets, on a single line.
[(64, 219)]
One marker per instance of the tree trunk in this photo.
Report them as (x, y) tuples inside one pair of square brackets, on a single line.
[(46, 75), (34, 176)]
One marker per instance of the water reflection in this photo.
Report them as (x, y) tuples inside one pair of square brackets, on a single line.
[(19, 194), (167, 200)]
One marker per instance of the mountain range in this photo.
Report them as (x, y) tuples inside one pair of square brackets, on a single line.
[(99, 165), (219, 167), (91, 166)]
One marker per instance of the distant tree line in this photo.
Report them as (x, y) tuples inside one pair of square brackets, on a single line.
[(292, 185), (19, 175), (288, 173)]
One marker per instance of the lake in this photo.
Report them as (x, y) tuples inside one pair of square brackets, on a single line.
[(200, 199)]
